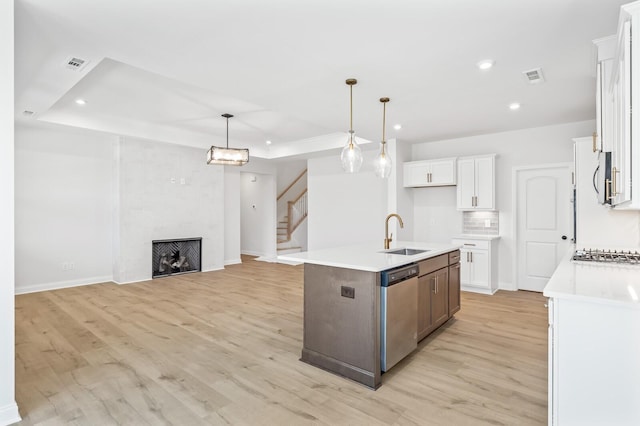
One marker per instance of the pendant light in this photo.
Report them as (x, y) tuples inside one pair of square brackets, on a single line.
[(228, 156), (351, 156), (382, 164)]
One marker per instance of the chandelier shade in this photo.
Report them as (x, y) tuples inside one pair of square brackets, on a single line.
[(228, 156)]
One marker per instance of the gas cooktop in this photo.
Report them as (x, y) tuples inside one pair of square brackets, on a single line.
[(607, 256)]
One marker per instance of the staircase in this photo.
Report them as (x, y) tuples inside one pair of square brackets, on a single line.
[(294, 210)]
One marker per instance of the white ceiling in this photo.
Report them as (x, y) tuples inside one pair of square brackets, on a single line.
[(166, 70)]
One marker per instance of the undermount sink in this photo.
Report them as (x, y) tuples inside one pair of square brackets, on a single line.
[(405, 251)]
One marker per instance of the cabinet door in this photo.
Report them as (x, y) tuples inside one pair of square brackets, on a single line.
[(443, 172), (416, 174), (485, 184), (424, 305), (465, 266), (621, 155), (454, 288), (597, 141), (604, 106), (466, 184), (479, 268), (440, 297)]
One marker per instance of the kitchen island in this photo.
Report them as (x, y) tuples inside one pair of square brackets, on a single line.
[(342, 302)]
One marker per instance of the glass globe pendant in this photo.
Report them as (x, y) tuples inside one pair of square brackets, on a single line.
[(351, 155), (382, 163)]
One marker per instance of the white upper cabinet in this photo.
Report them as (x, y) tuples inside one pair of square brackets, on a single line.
[(617, 127), (603, 136), (476, 183), (439, 172)]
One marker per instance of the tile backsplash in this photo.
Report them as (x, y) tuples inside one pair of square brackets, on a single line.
[(476, 223)]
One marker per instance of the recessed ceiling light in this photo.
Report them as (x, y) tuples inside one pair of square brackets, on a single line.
[(486, 64), (268, 142), (514, 106), (397, 126), (81, 102)]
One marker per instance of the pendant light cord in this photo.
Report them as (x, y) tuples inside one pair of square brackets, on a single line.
[(227, 132), (351, 108), (384, 120)]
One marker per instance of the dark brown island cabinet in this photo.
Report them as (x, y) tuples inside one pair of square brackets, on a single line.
[(438, 291)]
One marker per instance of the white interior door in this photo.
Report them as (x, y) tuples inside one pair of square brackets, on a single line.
[(543, 221)]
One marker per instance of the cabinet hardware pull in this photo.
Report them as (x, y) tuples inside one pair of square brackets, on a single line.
[(614, 181), (469, 244), (607, 189), (457, 266), (595, 136), (471, 253)]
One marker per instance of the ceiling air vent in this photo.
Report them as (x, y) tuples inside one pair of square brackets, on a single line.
[(534, 76), (75, 64), (27, 113)]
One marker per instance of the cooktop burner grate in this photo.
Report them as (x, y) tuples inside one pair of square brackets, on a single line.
[(607, 256)]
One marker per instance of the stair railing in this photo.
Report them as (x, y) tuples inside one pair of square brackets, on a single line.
[(297, 212)]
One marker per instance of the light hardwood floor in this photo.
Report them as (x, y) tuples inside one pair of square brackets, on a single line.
[(222, 348)]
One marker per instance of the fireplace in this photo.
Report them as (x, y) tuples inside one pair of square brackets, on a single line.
[(173, 257)]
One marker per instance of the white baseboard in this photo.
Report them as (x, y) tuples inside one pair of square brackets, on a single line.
[(131, 282), (215, 268), (9, 414), (62, 284), (507, 286), (480, 290), (270, 259), (232, 261), (289, 262)]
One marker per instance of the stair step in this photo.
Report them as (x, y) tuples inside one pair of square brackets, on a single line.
[(283, 241), (288, 250)]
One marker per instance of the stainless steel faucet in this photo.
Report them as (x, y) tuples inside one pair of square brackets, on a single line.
[(387, 238)]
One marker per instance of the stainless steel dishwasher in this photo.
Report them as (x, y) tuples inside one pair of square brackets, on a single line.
[(398, 314)]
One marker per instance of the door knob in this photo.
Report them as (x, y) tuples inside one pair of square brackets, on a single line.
[(564, 237)]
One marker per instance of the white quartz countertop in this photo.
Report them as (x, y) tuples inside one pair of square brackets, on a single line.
[(475, 237), (595, 282), (369, 257)]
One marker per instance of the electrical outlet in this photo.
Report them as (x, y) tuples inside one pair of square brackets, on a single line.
[(183, 181), (487, 223), (349, 292)]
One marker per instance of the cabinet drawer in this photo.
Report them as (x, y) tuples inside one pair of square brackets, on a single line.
[(472, 244), (454, 257), (433, 264)]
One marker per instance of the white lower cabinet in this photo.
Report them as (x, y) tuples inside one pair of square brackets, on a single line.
[(594, 363), (478, 264)]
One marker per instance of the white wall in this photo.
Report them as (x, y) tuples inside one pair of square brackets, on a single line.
[(288, 171), (258, 214), (400, 199), (435, 215), (166, 192), (8, 408), (231, 215), (63, 207), (345, 208)]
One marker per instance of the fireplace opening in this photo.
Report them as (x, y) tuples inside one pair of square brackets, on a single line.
[(173, 257)]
